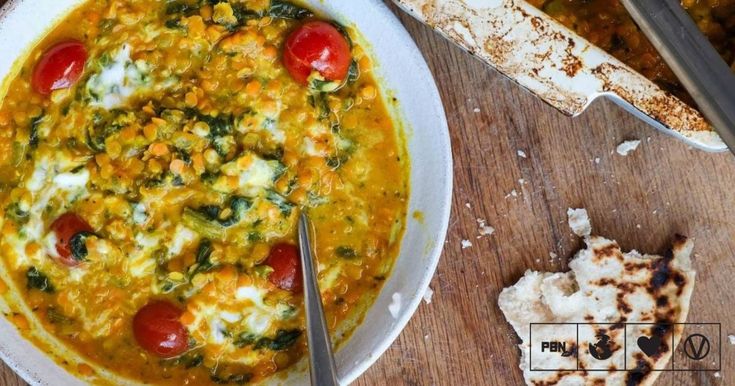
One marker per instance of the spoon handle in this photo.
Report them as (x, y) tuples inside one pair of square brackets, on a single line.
[(690, 55), (323, 370)]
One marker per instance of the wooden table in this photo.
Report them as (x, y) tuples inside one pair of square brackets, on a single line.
[(641, 200)]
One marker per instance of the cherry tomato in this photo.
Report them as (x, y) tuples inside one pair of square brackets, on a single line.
[(317, 45), (60, 67), (158, 330), (286, 263), (65, 227)]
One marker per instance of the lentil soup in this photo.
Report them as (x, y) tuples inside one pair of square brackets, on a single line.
[(155, 156)]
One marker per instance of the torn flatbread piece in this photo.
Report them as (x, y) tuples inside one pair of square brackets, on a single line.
[(604, 289)]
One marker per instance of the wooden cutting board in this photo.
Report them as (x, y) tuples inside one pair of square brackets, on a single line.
[(642, 200)]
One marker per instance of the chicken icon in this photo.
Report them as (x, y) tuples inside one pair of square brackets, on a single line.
[(601, 350)]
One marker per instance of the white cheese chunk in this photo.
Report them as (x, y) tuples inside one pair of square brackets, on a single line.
[(118, 80), (182, 237)]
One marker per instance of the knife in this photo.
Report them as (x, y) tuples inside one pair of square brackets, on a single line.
[(696, 63)]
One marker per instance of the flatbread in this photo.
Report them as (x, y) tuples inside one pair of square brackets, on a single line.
[(607, 286)]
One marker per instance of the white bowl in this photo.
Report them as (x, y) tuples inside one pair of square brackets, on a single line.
[(404, 75)]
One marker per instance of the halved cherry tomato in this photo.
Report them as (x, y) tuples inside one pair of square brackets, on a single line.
[(65, 227), (286, 263), (157, 329), (317, 45), (60, 67)]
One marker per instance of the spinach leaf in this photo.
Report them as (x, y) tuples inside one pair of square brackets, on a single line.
[(238, 205), (238, 379), (78, 244), (245, 339), (33, 136), (196, 361), (219, 125), (174, 24), (38, 280), (174, 7), (56, 317), (16, 214), (204, 252), (319, 101), (203, 261), (283, 340), (345, 252), (285, 206), (280, 9), (343, 31), (353, 73)]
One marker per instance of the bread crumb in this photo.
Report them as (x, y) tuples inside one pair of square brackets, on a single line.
[(395, 305), (579, 221), (521, 153), (484, 229), (468, 205), (628, 146), (477, 109), (428, 295), (597, 160), (466, 244), (731, 338), (512, 193)]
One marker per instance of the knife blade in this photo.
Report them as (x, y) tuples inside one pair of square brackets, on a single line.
[(702, 71)]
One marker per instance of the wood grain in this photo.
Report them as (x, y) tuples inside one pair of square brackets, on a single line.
[(641, 200)]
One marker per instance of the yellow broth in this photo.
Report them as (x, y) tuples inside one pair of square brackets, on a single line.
[(206, 115)]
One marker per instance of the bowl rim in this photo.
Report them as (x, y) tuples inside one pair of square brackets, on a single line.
[(443, 208)]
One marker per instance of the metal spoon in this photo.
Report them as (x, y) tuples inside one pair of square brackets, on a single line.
[(690, 55), (323, 370)]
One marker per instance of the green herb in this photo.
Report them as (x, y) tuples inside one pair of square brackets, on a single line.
[(353, 73), (285, 206), (56, 317), (180, 7), (196, 361), (183, 155), (345, 252), (280, 9), (219, 125), (201, 224), (102, 127), (203, 261), (325, 86), (335, 162), (245, 339), (238, 379), (238, 206), (188, 360), (38, 280), (78, 244), (283, 340), (16, 214), (319, 101), (173, 24), (243, 14), (106, 25), (225, 146), (33, 136), (343, 31)]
